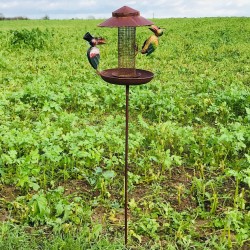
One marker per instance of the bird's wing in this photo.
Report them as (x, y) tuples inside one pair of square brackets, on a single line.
[(150, 45), (93, 55), (151, 49)]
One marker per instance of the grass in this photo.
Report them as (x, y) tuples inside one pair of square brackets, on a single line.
[(62, 145)]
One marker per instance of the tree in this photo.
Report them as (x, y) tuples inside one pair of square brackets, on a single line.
[(90, 17), (46, 17)]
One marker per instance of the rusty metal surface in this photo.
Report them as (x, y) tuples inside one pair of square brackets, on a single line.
[(126, 167), (142, 77), (126, 72), (125, 17)]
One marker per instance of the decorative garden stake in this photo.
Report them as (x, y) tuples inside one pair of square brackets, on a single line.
[(126, 20)]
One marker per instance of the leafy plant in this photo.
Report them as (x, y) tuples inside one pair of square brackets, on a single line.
[(34, 38), (62, 138)]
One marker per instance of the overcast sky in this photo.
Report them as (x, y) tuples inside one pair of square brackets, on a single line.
[(67, 9)]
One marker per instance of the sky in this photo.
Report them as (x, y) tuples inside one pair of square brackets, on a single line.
[(64, 9)]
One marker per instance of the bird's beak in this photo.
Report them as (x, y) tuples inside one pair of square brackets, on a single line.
[(153, 28), (101, 40)]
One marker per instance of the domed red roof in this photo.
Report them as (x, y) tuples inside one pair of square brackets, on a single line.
[(125, 17)]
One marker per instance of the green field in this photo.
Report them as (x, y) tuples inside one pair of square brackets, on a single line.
[(62, 138)]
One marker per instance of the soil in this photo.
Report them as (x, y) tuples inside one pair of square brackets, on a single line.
[(7, 194), (75, 187)]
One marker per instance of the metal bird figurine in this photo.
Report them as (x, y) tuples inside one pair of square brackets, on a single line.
[(93, 52), (152, 42)]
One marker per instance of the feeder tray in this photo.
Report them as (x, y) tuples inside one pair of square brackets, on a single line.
[(113, 76)]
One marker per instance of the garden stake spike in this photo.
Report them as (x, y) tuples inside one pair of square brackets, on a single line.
[(126, 167)]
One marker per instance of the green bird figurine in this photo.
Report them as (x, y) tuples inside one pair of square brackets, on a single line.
[(93, 52), (152, 42)]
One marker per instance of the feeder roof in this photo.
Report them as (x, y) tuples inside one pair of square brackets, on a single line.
[(125, 17)]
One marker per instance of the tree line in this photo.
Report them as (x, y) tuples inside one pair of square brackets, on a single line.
[(2, 17)]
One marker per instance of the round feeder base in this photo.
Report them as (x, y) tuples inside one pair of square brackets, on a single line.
[(112, 76)]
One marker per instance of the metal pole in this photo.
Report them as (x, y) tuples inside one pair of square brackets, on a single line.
[(126, 166)]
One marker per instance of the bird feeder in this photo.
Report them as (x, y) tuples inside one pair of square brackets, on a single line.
[(126, 20)]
